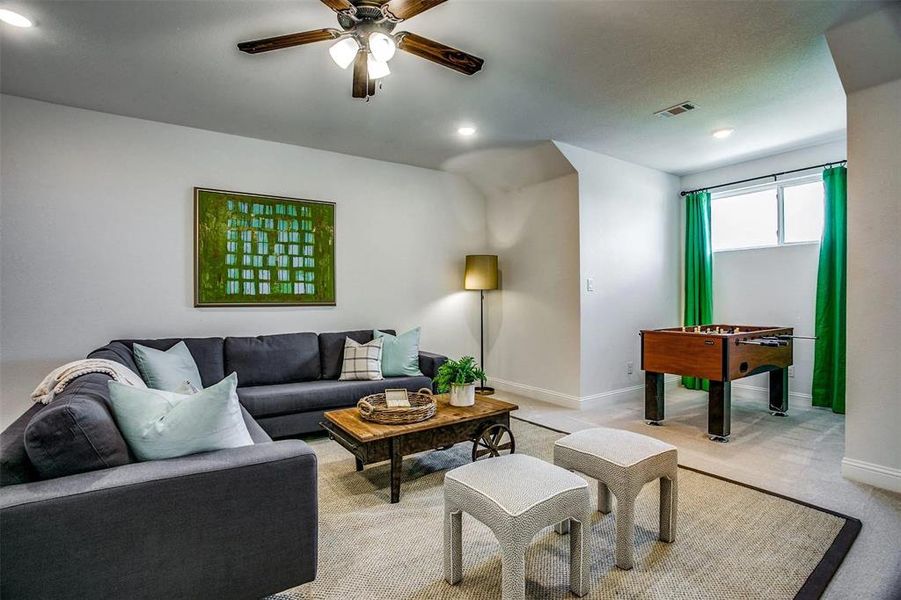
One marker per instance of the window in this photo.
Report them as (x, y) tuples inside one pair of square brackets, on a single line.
[(789, 212), (802, 207)]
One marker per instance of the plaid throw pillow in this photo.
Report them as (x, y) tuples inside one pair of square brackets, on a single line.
[(362, 361)]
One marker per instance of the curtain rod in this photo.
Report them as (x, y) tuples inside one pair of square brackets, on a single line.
[(713, 187)]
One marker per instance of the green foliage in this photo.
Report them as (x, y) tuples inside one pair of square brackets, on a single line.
[(459, 372)]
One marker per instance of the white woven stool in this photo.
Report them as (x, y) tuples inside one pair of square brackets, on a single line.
[(516, 496), (623, 462)]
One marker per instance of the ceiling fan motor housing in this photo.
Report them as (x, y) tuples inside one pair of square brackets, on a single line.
[(367, 17)]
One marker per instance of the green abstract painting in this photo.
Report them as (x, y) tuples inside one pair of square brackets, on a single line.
[(252, 250)]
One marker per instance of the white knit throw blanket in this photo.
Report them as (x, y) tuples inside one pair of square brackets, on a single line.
[(62, 376)]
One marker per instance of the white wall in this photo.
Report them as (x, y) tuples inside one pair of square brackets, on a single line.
[(873, 421), (867, 54), (533, 322), (97, 238), (629, 246), (784, 161), (770, 286)]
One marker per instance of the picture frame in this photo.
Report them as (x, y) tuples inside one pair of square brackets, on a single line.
[(254, 250)]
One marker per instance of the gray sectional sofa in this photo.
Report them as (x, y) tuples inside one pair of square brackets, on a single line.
[(80, 518), (286, 382)]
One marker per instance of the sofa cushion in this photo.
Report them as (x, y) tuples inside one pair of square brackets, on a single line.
[(331, 348), (400, 353), (118, 352), (15, 466), (272, 400), (257, 433), (76, 432), (273, 359), (158, 424), (362, 361), (207, 353), (167, 370)]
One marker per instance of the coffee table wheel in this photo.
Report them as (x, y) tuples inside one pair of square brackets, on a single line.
[(493, 440)]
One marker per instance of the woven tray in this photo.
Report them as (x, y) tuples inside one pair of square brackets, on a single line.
[(422, 406)]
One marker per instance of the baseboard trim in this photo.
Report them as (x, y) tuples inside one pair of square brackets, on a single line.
[(632, 393), (763, 393), (536, 393), (879, 476)]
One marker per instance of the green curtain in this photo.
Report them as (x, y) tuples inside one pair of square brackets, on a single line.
[(832, 276), (698, 270)]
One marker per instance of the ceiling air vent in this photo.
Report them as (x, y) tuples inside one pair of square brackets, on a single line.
[(678, 109)]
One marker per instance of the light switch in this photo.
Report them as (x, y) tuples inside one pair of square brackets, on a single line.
[(589, 284)]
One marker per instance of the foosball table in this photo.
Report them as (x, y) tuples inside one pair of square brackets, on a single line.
[(720, 354)]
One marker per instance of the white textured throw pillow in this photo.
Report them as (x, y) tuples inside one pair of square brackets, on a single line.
[(362, 361)]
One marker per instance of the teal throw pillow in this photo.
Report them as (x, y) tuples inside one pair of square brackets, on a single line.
[(167, 370), (400, 353), (158, 424)]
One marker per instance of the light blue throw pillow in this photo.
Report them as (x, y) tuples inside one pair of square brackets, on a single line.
[(158, 424), (167, 370), (400, 353)]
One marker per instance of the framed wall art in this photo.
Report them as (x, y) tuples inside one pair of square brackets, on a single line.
[(258, 250)]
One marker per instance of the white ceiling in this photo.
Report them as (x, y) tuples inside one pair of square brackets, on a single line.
[(586, 72)]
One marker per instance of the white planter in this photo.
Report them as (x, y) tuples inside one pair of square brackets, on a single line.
[(463, 395)]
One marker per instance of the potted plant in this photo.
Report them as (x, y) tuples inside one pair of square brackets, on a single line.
[(459, 377)]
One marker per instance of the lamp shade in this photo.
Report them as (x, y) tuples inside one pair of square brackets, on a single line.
[(481, 272)]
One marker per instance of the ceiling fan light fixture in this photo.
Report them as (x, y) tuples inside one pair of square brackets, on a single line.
[(344, 52), (382, 46), (377, 68)]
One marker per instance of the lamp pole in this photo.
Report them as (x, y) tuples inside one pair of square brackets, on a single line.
[(482, 334)]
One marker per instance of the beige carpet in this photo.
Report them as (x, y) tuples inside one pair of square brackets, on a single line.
[(731, 541)]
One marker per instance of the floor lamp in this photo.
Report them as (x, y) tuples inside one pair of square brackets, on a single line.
[(481, 275)]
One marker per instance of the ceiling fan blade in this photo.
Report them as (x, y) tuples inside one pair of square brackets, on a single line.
[(288, 41), (401, 10), (361, 76), (438, 53), (340, 5)]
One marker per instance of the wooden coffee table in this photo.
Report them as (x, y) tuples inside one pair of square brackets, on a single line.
[(486, 424)]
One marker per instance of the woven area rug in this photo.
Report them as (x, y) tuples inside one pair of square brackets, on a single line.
[(732, 541)]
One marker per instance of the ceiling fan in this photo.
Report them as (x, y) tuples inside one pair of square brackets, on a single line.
[(366, 40)]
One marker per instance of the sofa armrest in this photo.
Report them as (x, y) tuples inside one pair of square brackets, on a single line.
[(236, 523), (429, 363)]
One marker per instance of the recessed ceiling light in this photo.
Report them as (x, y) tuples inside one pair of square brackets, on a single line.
[(15, 19), (723, 133), (466, 130)]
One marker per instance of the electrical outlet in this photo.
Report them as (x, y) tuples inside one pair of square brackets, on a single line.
[(589, 285), (630, 367), (791, 371)]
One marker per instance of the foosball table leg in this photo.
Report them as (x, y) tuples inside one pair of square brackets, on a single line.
[(779, 392), (653, 398), (719, 411)]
